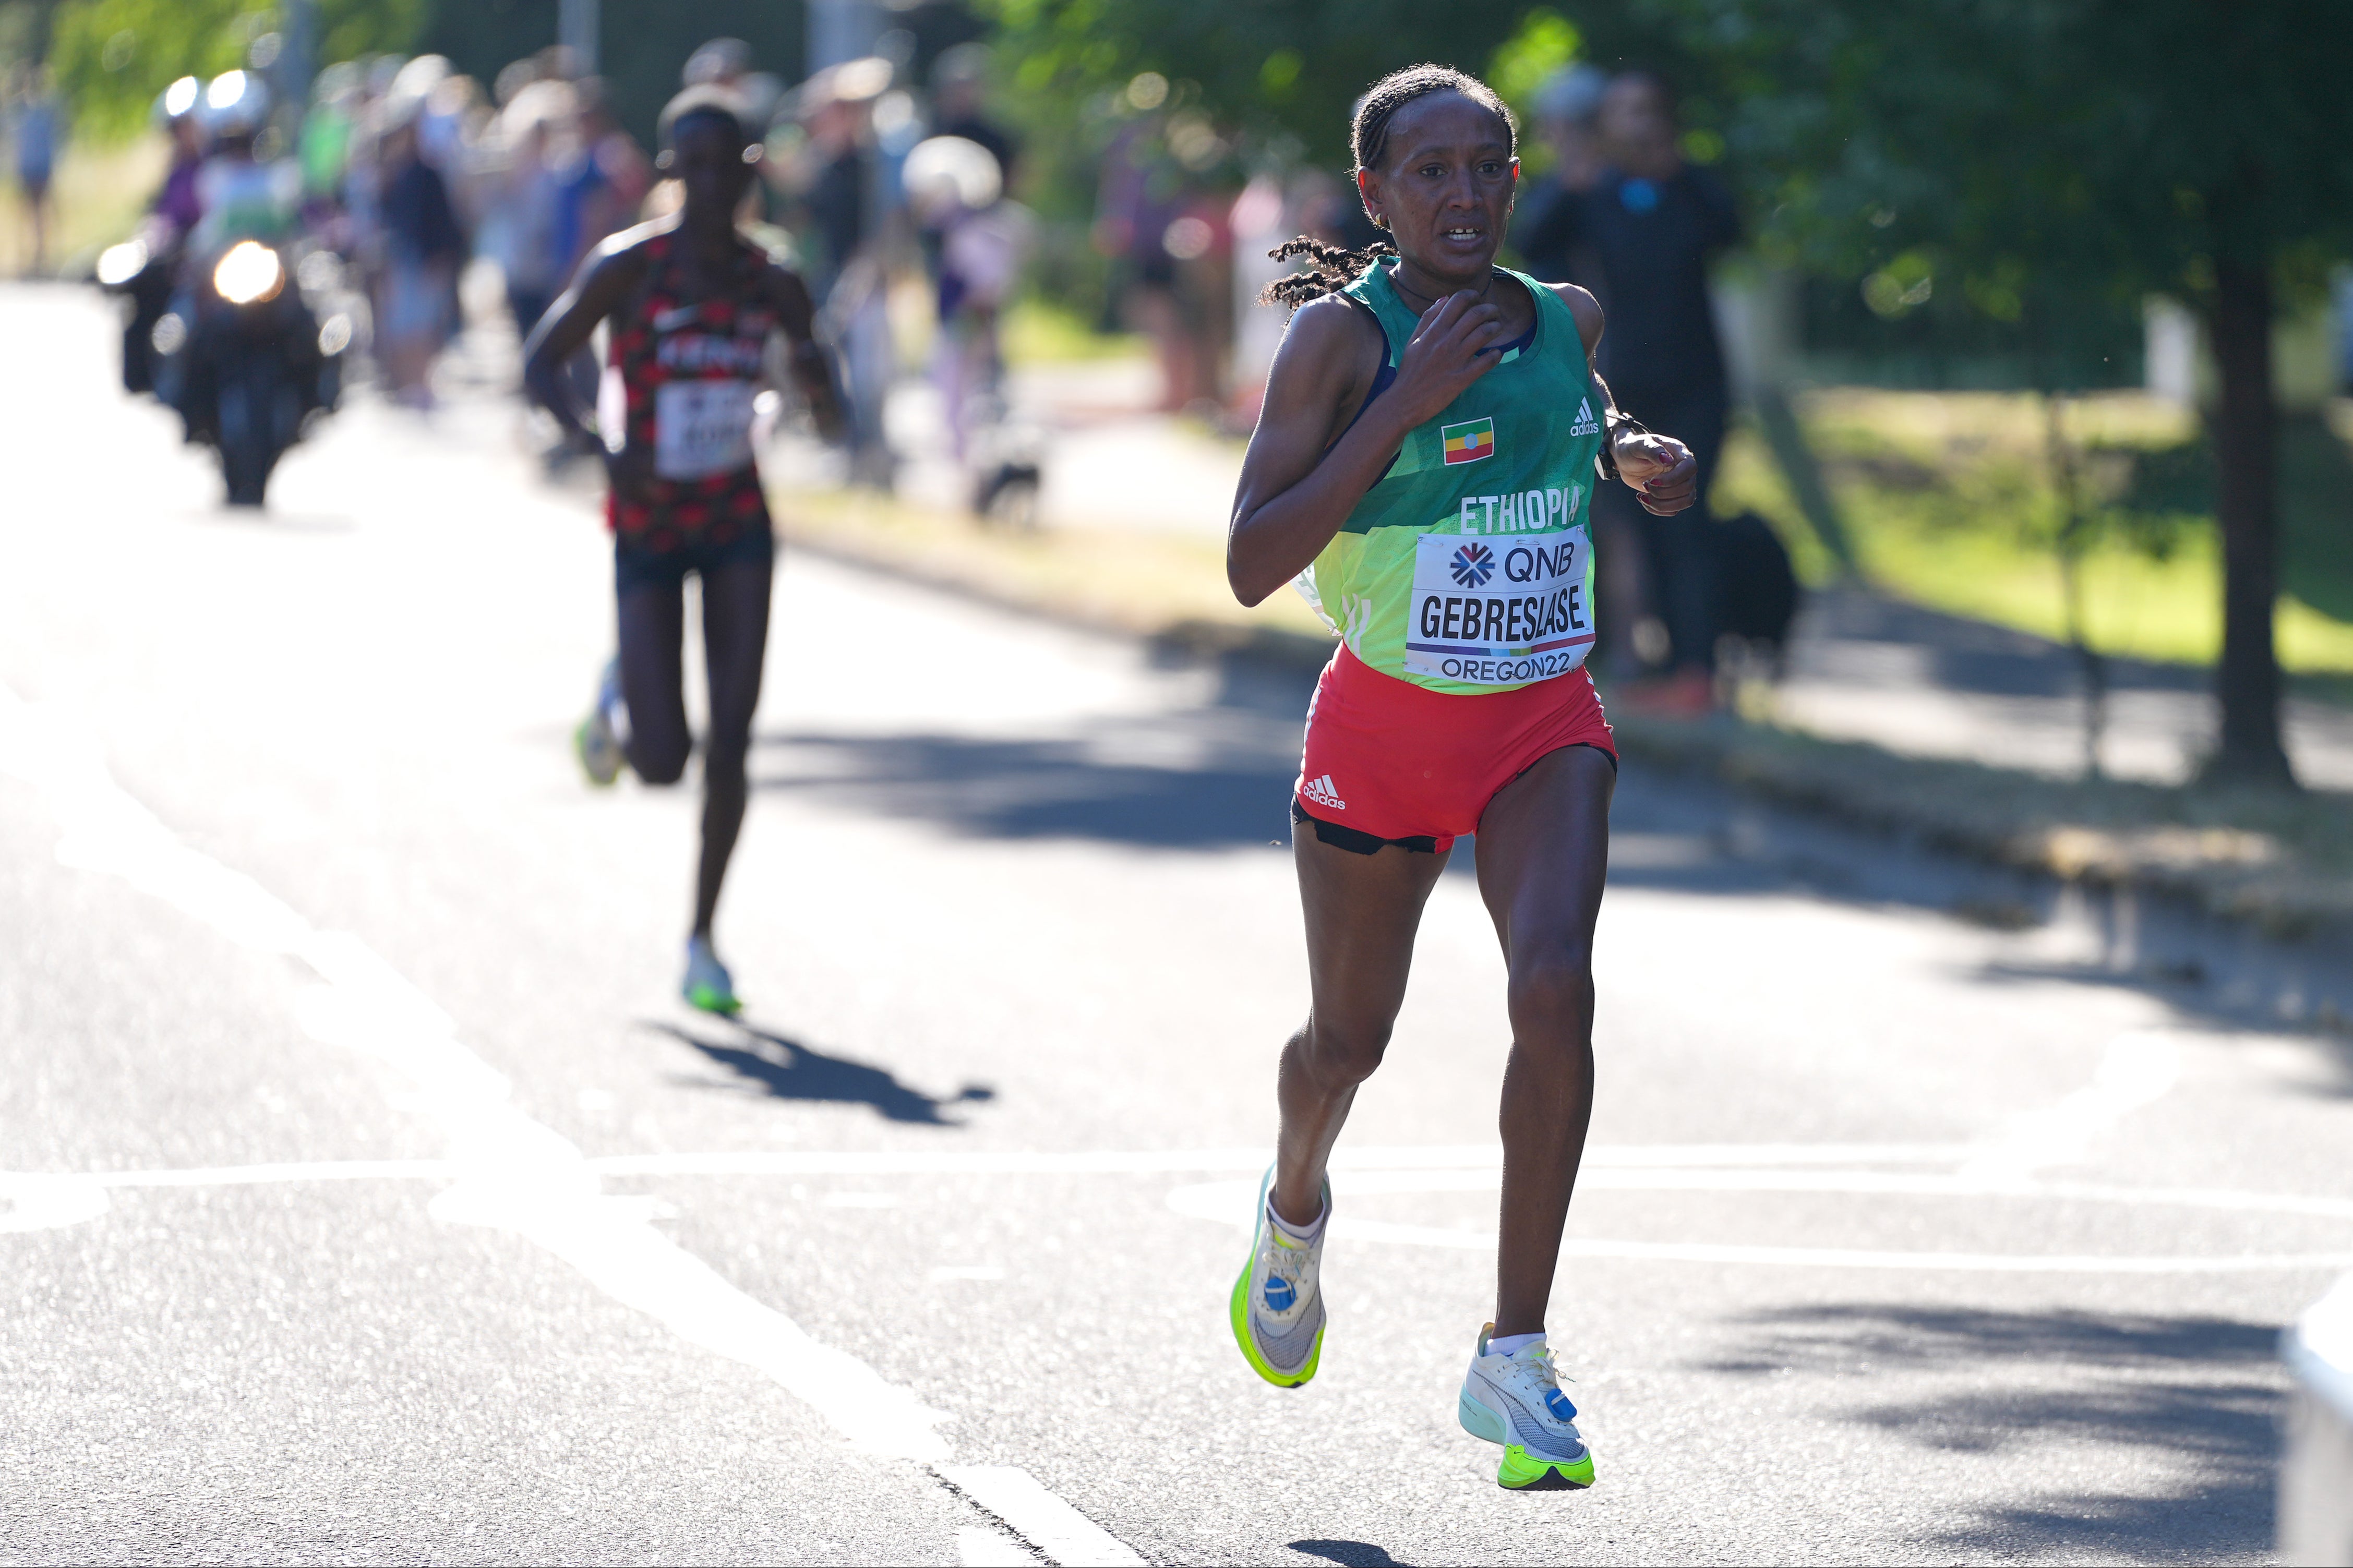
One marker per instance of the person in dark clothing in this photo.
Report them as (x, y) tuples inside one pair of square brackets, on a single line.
[(424, 249), (960, 106), (1652, 224)]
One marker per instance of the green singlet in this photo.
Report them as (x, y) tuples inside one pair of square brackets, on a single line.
[(1467, 568)]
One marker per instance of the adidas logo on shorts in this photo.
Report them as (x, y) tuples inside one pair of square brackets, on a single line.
[(1321, 793)]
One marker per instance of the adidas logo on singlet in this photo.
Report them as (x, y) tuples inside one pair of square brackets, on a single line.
[(1322, 793), (1586, 423)]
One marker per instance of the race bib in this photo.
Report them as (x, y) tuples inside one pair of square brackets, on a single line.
[(701, 428), (1498, 612)]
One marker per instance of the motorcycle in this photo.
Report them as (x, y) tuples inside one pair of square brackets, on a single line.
[(248, 361), (139, 271)]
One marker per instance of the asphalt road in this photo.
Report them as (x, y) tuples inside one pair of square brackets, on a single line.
[(389, 1208)]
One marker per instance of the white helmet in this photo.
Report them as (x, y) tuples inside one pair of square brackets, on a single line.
[(177, 101), (235, 104)]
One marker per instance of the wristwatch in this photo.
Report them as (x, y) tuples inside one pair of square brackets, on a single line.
[(1612, 421)]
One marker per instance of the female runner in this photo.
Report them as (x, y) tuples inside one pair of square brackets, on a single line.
[(1425, 467), (692, 304)]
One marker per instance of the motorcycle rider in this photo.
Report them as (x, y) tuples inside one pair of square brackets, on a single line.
[(237, 197), (142, 269)]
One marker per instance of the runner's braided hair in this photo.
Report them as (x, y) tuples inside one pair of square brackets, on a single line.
[(1332, 267)]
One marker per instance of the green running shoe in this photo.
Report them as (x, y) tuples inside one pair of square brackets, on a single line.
[(594, 742), (1277, 1309), (1516, 1400), (708, 986)]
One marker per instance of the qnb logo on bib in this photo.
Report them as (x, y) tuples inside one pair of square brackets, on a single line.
[(1472, 566), (1516, 614)]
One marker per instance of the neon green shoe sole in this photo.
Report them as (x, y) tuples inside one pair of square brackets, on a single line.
[(1521, 1472), (1236, 1313), (711, 999), (597, 753)]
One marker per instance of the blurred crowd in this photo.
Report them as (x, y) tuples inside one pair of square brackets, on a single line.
[(411, 174)]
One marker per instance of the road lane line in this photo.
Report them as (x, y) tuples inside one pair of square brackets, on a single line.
[(1038, 1515), (1173, 1161), (43, 1202), (512, 1173), (1229, 1203), (2138, 1069)]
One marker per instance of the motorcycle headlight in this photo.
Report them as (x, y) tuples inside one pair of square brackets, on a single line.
[(119, 264), (247, 273)]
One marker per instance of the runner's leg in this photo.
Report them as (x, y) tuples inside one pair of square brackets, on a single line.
[(735, 648), (1543, 849), (652, 623), (1362, 912)]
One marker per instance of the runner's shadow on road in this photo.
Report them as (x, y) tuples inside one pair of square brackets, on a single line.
[(766, 1063), (1348, 1553), (2201, 1391)]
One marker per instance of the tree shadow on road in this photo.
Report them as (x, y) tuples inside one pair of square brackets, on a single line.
[(1043, 789), (771, 1063), (2204, 1392)]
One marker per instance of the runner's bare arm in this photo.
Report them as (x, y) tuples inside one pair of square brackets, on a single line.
[(1660, 469), (619, 267), (1298, 484), (812, 369)]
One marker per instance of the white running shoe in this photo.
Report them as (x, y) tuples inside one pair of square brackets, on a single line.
[(1277, 1307), (1516, 1400)]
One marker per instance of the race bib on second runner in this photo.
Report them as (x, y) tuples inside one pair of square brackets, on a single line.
[(1498, 612), (701, 428)]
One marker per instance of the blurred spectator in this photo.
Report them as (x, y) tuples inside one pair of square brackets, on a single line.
[(1653, 223), (956, 191), (35, 126), (423, 249), (1171, 254), (1567, 111), (727, 63), (325, 147), (831, 174), (601, 180), (960, 105), (524, 239)]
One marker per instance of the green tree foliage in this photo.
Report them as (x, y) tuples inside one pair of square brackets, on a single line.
[(113, 57), (2054, 159), (1283, 73)]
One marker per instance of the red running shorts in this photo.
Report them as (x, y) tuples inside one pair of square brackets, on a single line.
[(1388, 762)]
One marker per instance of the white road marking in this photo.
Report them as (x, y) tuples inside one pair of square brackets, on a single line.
[(951, 1272), (979, 1547), (1172, 1161), (512, 1171), (1229, 1203), (1037, 1515), (2138, 1067), (46, 1202)]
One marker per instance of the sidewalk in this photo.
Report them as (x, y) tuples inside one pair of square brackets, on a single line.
[(1965, 735), (1863, 667)]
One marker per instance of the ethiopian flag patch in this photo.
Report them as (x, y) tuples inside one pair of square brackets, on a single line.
[(1469, 441)]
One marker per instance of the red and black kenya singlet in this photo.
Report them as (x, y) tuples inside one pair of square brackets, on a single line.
[(687, 372)]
